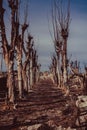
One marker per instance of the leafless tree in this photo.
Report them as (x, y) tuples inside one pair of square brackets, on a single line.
[(34, 67), (64, 21), (54, 68), (26, 65), (9, 47), (61, 21), (19, 48), (57, 40)]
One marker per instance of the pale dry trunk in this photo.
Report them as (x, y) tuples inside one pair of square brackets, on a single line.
[(1, 62), (65, 75), (25, 80), (34, 75), (65, 70), (37, 75), (54, 74), (10, 78), (10, 82), (31, 74), (19, 69), (58, 72), (28, 76)]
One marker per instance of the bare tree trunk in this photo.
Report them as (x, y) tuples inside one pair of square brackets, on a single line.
[(58, 72), (55, 75), (61, 21), (10, 81), (25, 80), (28, 75), (37, 75), (31, 74), (19, 69), (27, 71), (24, 73), (34, 75), (1, 62), (65, 75), (8, 52)]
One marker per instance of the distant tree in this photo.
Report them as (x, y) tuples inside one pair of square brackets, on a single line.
[(60, 22), (54, 68), (26, 63)]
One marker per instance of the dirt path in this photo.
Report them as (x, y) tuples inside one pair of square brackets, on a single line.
[(45, 103)]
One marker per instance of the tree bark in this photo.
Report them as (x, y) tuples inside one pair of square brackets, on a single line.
[(10, 81), (19, 69), (58, 72), (28, 75), (31, 74), (8, 53), (65, 61), (24, 73), (37, 75)]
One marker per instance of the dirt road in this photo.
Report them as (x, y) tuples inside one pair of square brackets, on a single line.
[(44, 104)]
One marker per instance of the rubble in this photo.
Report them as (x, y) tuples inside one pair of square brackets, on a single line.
[(81, 103)]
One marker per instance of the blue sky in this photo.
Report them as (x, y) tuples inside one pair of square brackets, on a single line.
[(40, 12)]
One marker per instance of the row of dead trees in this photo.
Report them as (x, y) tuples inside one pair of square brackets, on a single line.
[(61, 64), (60, 22), (18, 51)]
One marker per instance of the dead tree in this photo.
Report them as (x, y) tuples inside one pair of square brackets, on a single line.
[(33, 67), (54, 68), (1, 61), (35, 58), (8, 48), (64, 21), (57, 42), (38, 72), (19, 50), (26, 64), (14, 47), (19, 56), (60, 21)]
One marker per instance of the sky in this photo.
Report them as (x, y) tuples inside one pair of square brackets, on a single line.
[(39, 13)]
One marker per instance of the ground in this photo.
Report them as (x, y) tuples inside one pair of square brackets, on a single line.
[(45, 104)]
